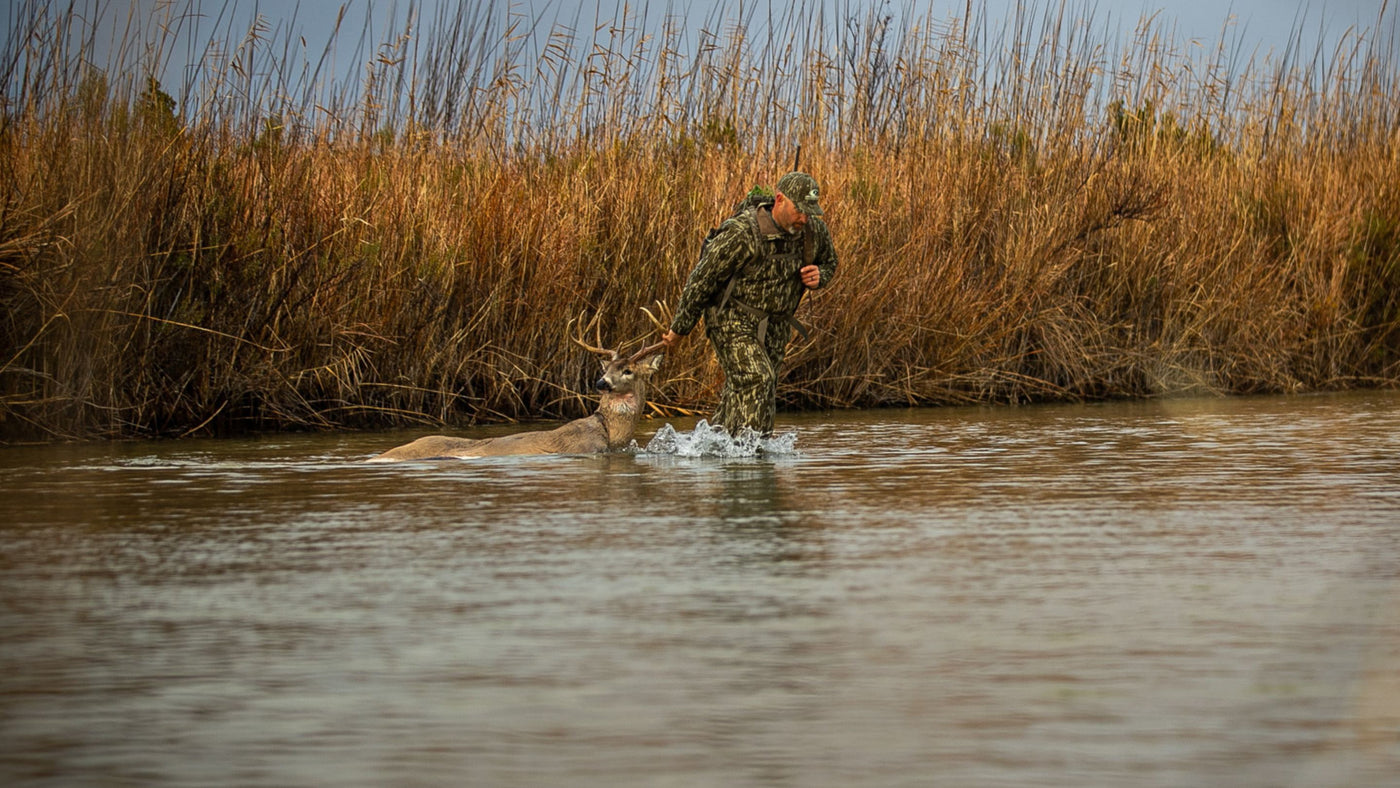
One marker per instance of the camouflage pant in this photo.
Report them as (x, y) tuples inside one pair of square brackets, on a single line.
[(749, 397)]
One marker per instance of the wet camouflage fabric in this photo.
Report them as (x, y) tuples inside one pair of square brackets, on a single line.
[(766, 262), (749, 396)]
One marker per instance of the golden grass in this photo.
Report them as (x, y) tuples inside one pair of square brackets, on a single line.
[(1036, 213)]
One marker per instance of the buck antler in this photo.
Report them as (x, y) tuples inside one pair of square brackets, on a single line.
[(598, 348), (646, 351), (662, 324)]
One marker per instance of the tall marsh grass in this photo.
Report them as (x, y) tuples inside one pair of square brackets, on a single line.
[(1044, 210)]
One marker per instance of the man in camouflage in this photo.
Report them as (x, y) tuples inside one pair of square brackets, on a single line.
[(752, 274)]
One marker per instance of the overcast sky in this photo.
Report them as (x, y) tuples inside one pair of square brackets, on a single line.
[(1269, 22), (1250, 27)]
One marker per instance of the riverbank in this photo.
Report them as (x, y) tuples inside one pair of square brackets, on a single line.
[(1070, 231)]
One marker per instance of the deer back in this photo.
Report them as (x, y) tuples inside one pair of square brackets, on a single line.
[(622, 391)]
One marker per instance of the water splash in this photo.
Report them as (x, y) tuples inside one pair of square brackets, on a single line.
[(715, 441)]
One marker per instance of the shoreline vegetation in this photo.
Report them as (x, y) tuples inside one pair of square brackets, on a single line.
[(1050, 211)]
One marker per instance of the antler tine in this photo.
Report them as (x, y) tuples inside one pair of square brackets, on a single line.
[(660, 326), (598, 348), (663, 323), (598, 335), (646, 351)]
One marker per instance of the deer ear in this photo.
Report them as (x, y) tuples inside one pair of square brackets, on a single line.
[(652, 363)]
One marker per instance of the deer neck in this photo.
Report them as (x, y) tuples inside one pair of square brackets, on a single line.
[(619, 414)]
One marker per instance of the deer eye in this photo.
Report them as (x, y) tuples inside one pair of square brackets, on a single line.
[(627, 372)]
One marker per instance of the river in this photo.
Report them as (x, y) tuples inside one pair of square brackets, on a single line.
[(1161, 593)]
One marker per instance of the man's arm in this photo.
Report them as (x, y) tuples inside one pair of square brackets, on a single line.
[(823, 267), (723, 255)]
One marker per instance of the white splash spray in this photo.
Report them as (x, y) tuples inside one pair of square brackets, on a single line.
[(708, 441)]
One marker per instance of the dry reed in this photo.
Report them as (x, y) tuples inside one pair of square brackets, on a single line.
[(1039, 212)]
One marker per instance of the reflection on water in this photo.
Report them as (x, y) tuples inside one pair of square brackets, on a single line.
[(1200, 592)]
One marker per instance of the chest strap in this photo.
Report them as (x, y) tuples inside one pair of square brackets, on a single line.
[(764, 318), (767, 228)]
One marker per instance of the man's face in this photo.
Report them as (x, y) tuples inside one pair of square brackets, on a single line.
[(786, 215)]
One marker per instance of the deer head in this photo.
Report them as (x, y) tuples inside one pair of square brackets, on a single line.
[(623, 383)]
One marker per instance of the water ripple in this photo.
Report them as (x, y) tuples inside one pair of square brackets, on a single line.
[(1195, 592)]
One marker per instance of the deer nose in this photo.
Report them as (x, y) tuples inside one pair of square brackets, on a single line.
[(603, 385)]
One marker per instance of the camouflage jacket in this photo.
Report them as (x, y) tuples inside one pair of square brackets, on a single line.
[(763, 261)]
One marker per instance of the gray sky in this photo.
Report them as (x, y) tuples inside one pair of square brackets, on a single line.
[(1249, 27), (1265, 23)]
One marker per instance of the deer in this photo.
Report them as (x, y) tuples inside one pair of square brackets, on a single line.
[(622, 397)]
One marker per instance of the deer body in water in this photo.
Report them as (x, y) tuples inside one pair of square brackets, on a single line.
[(623, 388)]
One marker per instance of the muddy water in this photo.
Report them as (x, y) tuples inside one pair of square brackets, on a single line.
[(1201, 592)]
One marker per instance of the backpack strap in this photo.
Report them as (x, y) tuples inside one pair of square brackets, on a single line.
[(744, 205), (809, 254)]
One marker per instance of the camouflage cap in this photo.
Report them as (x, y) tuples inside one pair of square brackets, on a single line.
[(802, 189)]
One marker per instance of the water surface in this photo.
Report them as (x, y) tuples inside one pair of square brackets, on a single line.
[(1201, 592)]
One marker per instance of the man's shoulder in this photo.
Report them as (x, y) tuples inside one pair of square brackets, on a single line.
[(747, 214), (743, 223)]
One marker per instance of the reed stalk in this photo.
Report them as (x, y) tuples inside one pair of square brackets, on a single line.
[(1046, 211)]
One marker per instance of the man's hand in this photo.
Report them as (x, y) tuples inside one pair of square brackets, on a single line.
[(669, 338), (811, 276)]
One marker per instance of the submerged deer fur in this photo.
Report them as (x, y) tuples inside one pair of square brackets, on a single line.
[(623, 388)]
